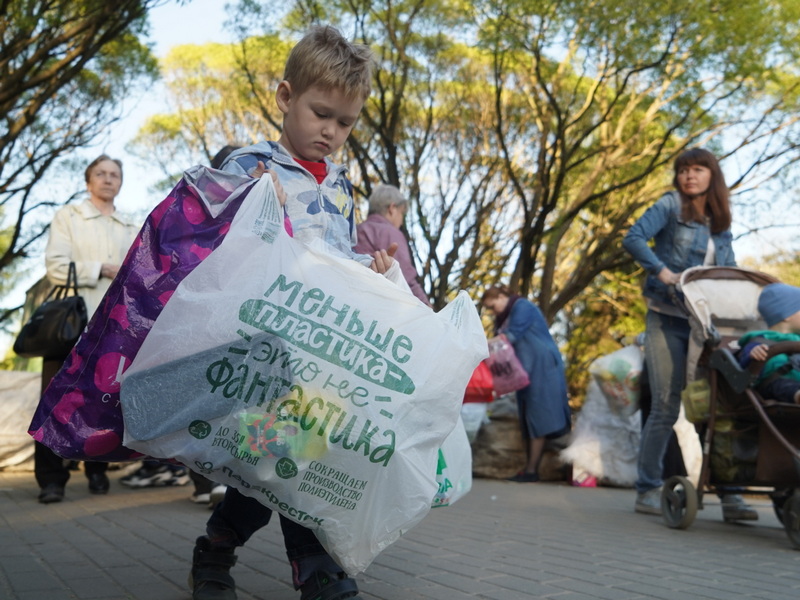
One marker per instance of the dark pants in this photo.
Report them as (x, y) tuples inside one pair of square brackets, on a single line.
[(48, 467), (201, 484), (238, 517)]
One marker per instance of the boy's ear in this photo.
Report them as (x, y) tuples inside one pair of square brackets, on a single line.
[(283, 96)]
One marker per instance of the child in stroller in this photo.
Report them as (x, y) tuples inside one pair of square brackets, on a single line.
[(779, 379)]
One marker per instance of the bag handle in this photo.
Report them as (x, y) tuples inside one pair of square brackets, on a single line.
[(72, 278), (60, 292)]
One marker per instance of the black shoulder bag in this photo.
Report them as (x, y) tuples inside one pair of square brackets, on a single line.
[(56, 325)]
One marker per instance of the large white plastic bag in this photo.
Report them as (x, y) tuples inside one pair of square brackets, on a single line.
[(618, 374), (473, 414), (454, 467), (225, 385)]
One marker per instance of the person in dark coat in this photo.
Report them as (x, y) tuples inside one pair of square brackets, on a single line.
[(542, 405)]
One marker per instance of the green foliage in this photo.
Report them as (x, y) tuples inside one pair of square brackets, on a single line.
[(604, 104), (65, 66), (605, 317), (222, 96), (527, 134), (784, 265), (9, 276)]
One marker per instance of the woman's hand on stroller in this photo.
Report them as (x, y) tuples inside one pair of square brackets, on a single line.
[(667, 277)]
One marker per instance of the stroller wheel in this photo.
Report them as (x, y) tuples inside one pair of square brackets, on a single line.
[(678, 502), (791, 519)]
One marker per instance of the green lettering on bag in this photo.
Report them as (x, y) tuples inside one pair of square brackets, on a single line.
[(333, 346), (315, 303)]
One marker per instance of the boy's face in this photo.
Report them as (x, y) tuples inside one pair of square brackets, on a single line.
[(317, 122)]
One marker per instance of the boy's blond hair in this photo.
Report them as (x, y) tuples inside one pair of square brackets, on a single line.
[(324, 58)]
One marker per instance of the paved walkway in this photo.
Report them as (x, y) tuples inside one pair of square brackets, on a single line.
[(503, 541)]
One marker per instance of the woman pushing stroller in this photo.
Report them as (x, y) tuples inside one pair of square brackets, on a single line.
[(690, 226)]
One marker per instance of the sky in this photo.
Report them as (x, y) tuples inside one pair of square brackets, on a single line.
[(202, 21), (198, 22)]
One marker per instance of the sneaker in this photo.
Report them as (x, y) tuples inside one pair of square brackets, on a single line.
[(50, 493), (180, 476), (734, 508), (210, 578), (328, 585), (649, 502), (217, 495), (148, 477), (200, 497)]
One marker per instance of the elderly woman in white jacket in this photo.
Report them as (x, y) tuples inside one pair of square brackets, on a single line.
[(96, 237), (94, 234)]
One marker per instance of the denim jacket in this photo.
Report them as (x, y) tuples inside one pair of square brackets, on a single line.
[(679, 245)]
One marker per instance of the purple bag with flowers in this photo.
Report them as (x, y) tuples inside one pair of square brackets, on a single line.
[(79, 414)]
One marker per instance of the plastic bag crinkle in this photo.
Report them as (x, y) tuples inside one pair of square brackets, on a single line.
[(306, 381)]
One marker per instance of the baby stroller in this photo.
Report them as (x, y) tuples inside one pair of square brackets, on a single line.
[(748, 441)]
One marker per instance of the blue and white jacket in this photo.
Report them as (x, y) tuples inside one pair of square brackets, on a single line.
[(679, 244), (323, 211)]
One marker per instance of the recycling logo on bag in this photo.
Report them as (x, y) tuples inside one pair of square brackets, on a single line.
[(199, 429), (286, 468)]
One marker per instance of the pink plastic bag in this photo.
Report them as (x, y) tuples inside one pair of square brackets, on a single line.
[(79, 414), (508, 373)]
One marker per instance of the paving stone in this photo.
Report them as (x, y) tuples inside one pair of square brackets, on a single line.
[(501, 542)]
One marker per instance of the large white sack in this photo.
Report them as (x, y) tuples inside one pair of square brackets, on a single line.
[(19, 395), (606, 444), (306, 381)]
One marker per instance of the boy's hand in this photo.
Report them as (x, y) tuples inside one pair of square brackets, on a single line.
[(260, 169), (759, 352), (382, 259)]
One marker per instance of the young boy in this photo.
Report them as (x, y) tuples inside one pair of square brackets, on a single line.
[(326, 82), (779, 305)]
